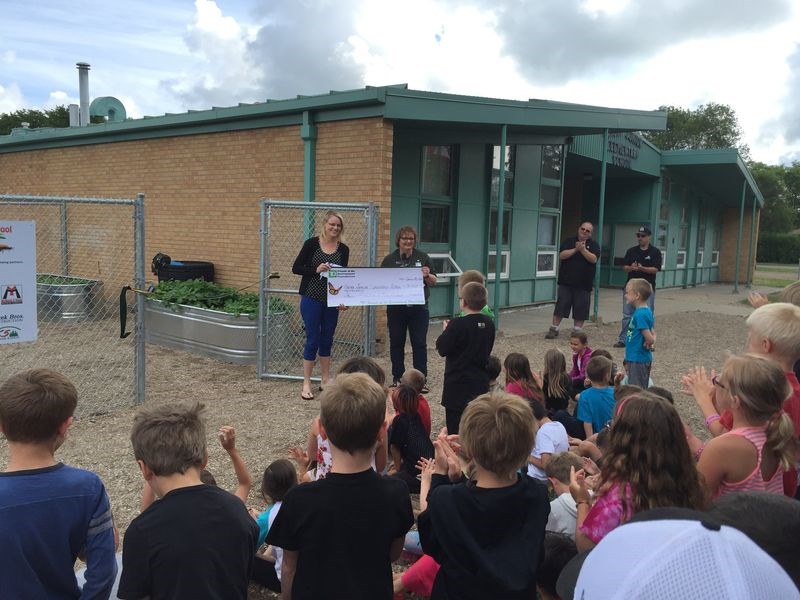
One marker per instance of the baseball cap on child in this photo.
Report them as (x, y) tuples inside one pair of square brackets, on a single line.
[(677, 559), (645, 230)]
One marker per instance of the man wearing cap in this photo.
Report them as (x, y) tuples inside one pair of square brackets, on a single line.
[(642, 261), (578, 256)]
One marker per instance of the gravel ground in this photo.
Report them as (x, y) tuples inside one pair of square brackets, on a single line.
[(269, 416)]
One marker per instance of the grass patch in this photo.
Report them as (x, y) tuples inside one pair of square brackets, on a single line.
[(776, 268), (767, 282)]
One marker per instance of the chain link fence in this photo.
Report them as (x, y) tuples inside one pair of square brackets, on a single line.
[(281, 335), (87, 249)]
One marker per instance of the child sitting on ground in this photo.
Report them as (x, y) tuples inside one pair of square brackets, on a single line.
[(581, 353), (51, 512), (614, 369), (559, 549), (408, 440), (493, 369), (279, 477), (647, 465), (340, 534), (197, 541), (563, 511), (556, 383), (596, 404), (466, 344), (416, 379), (467, 526), (761, 445), (640, 336), (519, 378), (551, 438)]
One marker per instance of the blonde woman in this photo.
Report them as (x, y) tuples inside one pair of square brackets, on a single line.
[(317, 256)]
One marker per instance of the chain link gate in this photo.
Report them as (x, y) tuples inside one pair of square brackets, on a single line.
[(87, 249), (281, 336)]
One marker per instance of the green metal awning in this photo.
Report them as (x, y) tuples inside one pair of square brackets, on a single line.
[(720, 174)]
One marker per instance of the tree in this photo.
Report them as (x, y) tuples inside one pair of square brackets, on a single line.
[(777, 216), (709, 126), (54, 117)]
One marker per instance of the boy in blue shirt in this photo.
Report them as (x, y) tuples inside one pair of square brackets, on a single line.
[(640, 337), (51, 512), (596, 404)]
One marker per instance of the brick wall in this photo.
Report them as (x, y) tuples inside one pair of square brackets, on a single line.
[(203, 191), (727, 254)]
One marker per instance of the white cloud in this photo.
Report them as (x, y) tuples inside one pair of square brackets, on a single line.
[(8, 57), (11, 98)]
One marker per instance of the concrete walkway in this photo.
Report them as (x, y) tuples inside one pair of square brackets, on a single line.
[(712, 297)]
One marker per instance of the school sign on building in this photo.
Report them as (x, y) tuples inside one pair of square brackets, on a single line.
[(435, 161)]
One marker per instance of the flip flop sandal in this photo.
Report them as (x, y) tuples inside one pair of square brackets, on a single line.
[(307, 395)]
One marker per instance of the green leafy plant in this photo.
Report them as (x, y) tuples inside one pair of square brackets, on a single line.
[(49, 279), (205, 294)]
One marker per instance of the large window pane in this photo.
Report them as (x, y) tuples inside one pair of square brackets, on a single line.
[(435, 224), (550, 196), (437, 170), (547, 230), (551, 161), (508, 191), (506, 227)]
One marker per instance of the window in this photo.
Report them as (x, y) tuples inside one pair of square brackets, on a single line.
[(551, 161), (444, 266), (434, 223), (505, 264), (508, 190), (661, 243), (545, 263), (550, 196), (683, 239), (714, 258), (506, 227), (437, 174), (716, 240), (680, 261), (700, 258), (547, 230), (664, 209)]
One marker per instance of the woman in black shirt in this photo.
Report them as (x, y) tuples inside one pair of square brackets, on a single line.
[(317, 256)]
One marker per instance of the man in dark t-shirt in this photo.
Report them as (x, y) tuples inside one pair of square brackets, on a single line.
[(578, 256), (641, 261)]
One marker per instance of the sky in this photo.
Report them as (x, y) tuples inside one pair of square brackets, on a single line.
[(174, 55)]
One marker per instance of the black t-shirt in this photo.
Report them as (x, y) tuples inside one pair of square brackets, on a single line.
[(647, 258), (466, 343), (576, 271), (343, 527), (196, 542), (409, 435), (487, 541)]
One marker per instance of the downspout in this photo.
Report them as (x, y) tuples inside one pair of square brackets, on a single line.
[(752, 242), (498, 249), (308, 133), (739, 239), (600, 219)]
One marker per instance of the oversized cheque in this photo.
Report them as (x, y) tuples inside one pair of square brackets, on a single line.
[(368, 286)]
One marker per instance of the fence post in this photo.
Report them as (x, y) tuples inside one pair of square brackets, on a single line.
[(263, 298), (64, 239), (139, 361)]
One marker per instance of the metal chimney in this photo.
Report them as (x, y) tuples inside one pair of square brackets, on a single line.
[(83, 85)]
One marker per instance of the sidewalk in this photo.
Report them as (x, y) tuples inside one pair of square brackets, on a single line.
[(712, 297)]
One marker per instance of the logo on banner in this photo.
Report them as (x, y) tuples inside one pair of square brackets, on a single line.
[(3, 245), (9, 333), (10, 294)]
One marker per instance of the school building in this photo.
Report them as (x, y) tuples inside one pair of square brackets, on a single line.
[(435, 161)]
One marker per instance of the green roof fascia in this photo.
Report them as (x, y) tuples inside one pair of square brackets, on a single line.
[(643, 156), (340, 105), (693, 163), (539, 115)]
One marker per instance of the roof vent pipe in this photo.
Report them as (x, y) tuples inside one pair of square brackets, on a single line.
[(83, 85)]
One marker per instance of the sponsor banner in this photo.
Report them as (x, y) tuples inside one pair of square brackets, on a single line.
[(18, 322)]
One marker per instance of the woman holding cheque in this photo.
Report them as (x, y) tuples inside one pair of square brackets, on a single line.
[(411, 318), (316, 256)]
